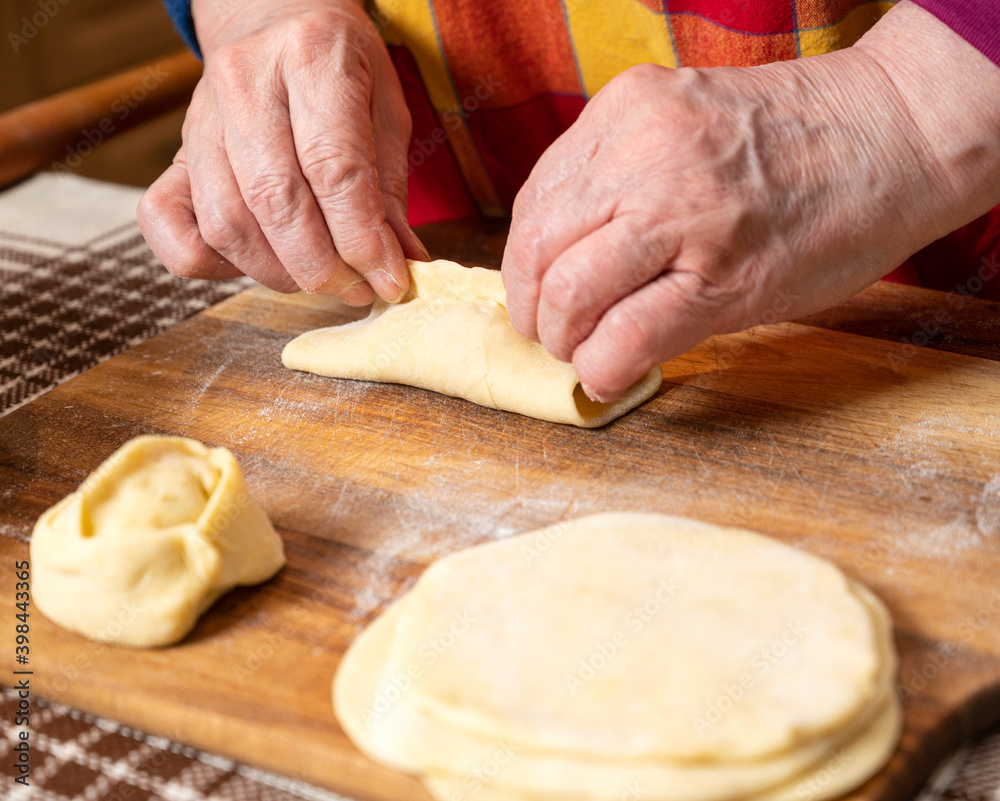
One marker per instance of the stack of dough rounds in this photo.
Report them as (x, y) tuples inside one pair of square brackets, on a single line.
[(451, 334), (149, 541), (627, 656)]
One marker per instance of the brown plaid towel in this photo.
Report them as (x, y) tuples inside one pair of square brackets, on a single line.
[(78, 756), (78, 283), (972, 774), (77, 286)]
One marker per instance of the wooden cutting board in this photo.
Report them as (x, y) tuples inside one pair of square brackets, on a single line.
[(830, 434)]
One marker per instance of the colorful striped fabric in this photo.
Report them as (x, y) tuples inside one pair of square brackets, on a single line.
[(504, 79), (491, 84), (500, 81)]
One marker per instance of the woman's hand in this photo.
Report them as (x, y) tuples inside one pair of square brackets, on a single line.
[(687, 203), (293, 167)]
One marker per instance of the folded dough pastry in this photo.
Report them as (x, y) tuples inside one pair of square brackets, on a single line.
[(451, 334), (149, 541)]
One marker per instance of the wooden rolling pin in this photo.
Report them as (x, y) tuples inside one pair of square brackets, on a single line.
[(67, 126)]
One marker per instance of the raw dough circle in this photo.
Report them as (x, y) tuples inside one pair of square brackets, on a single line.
[(402, 736), (705, 663)]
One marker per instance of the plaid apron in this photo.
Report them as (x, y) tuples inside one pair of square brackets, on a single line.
[(492, 84)]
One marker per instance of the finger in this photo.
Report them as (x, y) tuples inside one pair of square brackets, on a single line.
[(562, 201), (227, 225), (660, 321), (392, 127), (334, 141), (167, 220), (568, 196), (595, 273), (261, 150)]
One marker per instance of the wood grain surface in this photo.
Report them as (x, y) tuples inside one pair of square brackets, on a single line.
[(832, 434)]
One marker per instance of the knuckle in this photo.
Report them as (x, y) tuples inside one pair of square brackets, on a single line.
[(330, 38), (648, 72), (188, 263), (228, 65), (309, 29), (150, 208), (335, 172), (632, 84), (394, 186), (566, 293), (523, 204), (222, 232), (525, 239), (631, 332), (272, 199), (316, 28)]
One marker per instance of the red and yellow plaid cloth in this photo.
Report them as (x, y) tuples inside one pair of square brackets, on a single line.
[(492, 84), (504, 79)]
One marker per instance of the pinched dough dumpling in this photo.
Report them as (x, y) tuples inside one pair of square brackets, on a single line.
[(149, 541), (698, 662), (451, 334)]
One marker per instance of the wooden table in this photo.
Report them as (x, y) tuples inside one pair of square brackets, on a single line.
[(830, 433)]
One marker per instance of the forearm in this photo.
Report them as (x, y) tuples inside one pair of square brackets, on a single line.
[(952, 94), (918, 110), (215, 20)]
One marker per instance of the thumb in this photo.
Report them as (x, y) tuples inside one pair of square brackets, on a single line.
[(664, 319)]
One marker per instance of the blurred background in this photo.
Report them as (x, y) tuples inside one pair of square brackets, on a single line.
[(52, 45)]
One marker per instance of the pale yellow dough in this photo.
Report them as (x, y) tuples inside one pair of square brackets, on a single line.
[(149, 541), (842, 768), (518, 615), (451, 334)]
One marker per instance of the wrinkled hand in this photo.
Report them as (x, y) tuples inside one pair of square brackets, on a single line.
[(687, 203), (293, 164)]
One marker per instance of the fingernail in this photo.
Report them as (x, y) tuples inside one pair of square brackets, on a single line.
[(386, 286), (591, 393)]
